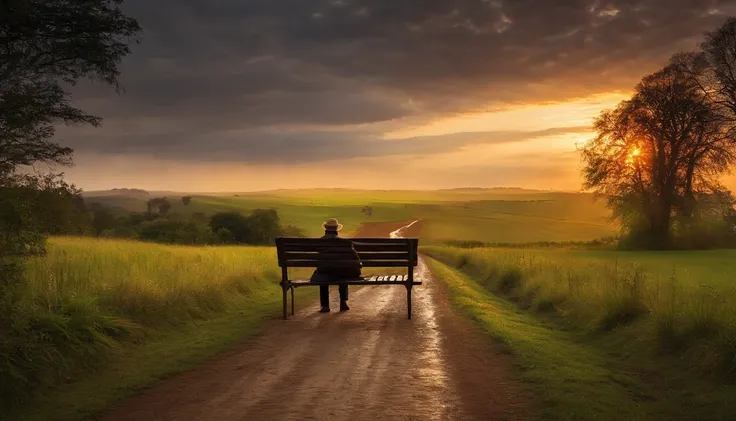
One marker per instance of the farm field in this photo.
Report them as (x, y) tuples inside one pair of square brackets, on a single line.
[(590, 375), (662, 324), (100, 303), (695, 284), (485, 215), (695, 268), (672, 301), (123, 298)]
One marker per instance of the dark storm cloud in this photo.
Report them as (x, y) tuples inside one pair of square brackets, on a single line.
[(279, 147), (233, 65)]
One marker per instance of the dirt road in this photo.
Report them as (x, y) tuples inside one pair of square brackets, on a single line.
[(369, 363)]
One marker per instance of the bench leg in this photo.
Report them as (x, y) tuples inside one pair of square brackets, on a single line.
[(408, 300), (283, 289), (292, 300)]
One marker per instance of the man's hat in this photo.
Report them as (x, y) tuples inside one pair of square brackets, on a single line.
[(332, 225)]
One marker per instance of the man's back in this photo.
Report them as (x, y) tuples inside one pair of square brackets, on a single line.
[(338, 259)]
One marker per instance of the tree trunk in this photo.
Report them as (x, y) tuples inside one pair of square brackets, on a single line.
[(688, 200), (661, 224)]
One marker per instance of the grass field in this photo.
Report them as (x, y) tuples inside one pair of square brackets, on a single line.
[(699, 269), (680, 300), (98, 303), (664, 323), (487, 215), (603, 334), (579, 376)]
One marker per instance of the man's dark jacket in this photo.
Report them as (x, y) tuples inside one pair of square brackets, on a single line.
[(333, 258)]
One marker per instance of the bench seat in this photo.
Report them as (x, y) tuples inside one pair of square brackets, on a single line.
[(374, 280)]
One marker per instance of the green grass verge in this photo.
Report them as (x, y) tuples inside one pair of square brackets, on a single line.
[(97, 318), (132, 368), (692, 317), (583, 376)]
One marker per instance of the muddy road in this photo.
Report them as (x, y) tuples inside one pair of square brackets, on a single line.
[(368, 363)]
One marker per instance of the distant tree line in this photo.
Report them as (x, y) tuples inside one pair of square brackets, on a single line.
[(158, 224), (658, 157), (161, 205)]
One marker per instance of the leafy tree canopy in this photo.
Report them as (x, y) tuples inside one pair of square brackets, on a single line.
[(47, 46), (657, 158)]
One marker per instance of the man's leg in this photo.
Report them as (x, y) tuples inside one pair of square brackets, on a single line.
[(324, 297), (343, 288)]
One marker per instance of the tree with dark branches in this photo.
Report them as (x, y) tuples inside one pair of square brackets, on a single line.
[(46, 47), (656, 152)]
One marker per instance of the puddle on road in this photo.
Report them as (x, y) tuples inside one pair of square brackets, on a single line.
[(432, 365)]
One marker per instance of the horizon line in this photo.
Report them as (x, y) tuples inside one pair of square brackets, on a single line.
[(335, 189)]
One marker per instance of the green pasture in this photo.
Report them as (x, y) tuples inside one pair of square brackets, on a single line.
[(485, 215), (573, 317), (681, 304), (701, 269), (580, 376)]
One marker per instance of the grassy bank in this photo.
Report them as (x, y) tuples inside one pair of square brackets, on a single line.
[(576, 375), (692, 315), (674, 336), (139, 310)]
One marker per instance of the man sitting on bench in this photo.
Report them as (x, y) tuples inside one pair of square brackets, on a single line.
[(334, 268)]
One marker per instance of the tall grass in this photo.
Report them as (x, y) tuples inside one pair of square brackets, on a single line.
[(691, 320), (88, 297)]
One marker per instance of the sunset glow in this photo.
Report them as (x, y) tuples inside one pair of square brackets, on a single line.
[(632, 157), (367, 209), (458, 98), (576, 113)]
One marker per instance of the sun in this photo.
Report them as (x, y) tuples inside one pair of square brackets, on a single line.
[(632, 157)]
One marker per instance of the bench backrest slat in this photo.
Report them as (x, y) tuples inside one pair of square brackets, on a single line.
[(373, 252), (358, 247), (372, 263), (364, 255)]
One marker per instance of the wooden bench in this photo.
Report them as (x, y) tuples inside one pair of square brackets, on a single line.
[(373, 252)]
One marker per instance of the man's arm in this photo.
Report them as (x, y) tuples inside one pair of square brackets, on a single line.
[(356, 256)]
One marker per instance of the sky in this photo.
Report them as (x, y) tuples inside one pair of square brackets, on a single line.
[(242, 95)]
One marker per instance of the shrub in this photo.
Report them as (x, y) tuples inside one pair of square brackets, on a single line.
[(260, 227), (119, 232), (510, 280), (224, 236), (175, 232), (545, 305), (620, 311), (293, 231), (235, 223)]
